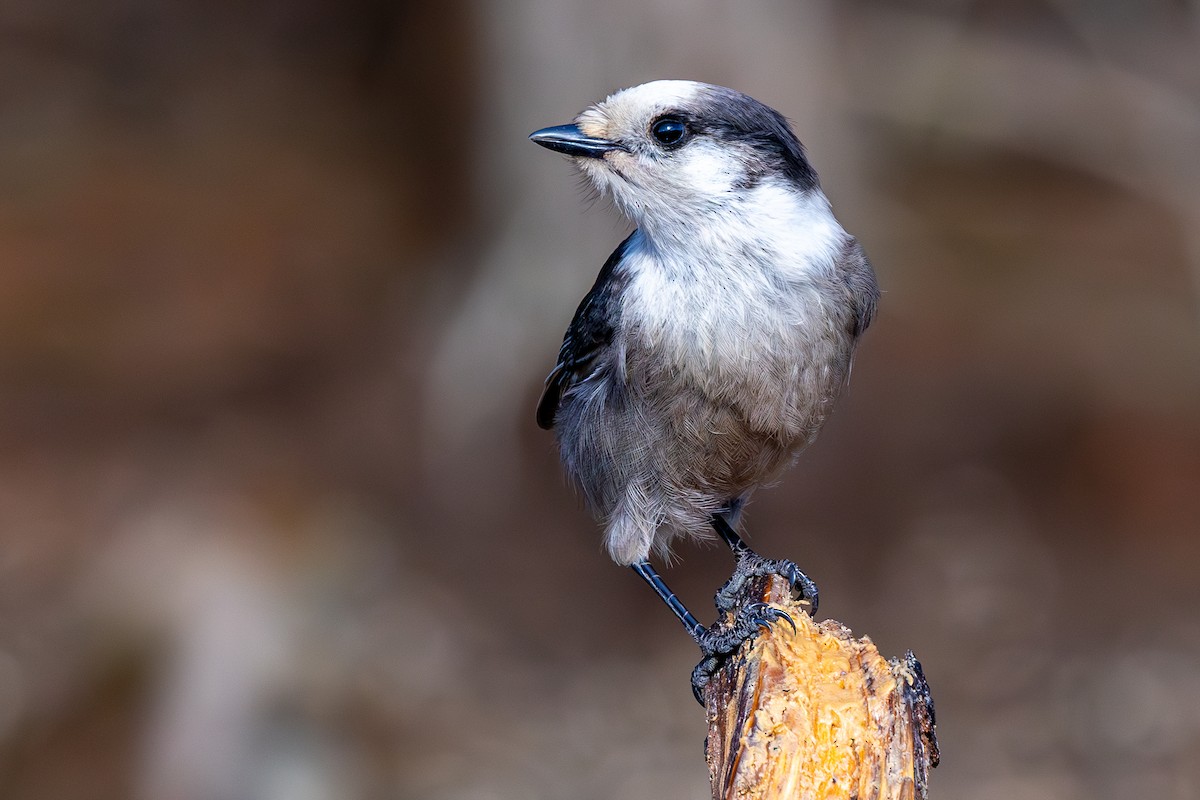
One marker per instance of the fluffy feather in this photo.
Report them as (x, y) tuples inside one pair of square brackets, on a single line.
[(718, 335)]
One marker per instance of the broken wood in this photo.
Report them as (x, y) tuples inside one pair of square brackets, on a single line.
[(816, 713)]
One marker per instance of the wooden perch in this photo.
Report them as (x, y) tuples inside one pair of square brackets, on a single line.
[(817, 714)]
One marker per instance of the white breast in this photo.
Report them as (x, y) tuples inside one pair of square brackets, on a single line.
[(734, 293)]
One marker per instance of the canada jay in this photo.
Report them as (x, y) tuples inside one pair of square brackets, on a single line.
[(712, 346)]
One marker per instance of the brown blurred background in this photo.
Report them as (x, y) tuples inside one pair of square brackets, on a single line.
[(279, 283)]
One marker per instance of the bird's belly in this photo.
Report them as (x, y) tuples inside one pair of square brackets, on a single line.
[(771, 364), (721, 415), (713, 448)]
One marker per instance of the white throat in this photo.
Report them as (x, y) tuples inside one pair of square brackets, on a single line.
[(771, 226)]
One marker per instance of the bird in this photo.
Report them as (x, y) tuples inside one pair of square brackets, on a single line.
[(717, 336)]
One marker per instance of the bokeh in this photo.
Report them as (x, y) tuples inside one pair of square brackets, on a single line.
[(279, 283)]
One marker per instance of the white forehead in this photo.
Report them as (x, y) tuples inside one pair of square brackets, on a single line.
[(656, 94), (633, 105)]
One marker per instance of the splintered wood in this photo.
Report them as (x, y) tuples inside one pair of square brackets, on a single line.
[(817, 714)]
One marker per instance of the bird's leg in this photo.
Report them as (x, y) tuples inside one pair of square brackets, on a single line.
[(715, 642), (676, 605), (750, 564), (721, 640)]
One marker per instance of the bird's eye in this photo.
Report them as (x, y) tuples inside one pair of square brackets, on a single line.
[(669, 131)]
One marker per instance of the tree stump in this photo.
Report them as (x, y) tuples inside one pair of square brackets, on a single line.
[(817, 714)]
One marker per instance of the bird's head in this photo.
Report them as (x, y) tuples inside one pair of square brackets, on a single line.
[(675, 153)]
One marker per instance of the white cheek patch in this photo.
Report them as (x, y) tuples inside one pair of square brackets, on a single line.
[(707, 169)]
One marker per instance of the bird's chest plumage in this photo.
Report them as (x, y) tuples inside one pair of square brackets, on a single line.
[(748, 343)]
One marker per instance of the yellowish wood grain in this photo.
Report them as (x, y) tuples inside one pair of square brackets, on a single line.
[(817, 714)]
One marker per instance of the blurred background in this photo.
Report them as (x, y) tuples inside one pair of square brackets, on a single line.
[(279, 284)]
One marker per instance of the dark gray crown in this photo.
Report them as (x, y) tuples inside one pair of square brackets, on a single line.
[(734, 117)]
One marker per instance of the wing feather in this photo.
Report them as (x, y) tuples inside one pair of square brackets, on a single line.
[(588, 336), (859, 276)]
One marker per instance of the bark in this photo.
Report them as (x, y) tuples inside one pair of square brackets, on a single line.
[(816, 713)]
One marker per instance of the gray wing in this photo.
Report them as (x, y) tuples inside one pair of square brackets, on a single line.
[(588, 336), (859, 279)]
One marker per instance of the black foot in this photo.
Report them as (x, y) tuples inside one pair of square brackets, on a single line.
[(702, 674), (752, 565), (719, 641)]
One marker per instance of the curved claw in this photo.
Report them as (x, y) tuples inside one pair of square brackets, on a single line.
[(764, 615), (751, 564), (721, 640), (801, 584), (701, 675)]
